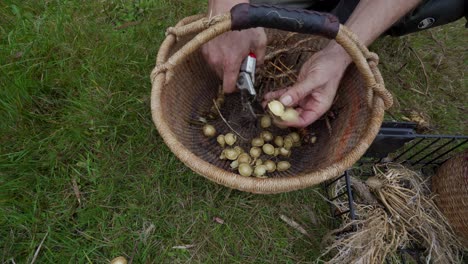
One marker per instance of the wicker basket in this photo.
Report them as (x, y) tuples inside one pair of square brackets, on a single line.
[(183, 87), (450, 184)]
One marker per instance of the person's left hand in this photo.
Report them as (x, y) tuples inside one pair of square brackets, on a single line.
[(313, 93), (225, 53)]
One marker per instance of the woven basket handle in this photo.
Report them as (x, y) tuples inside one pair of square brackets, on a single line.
[(245, 16)]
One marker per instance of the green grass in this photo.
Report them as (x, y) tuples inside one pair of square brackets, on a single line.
[(442, 99), (74, 103)]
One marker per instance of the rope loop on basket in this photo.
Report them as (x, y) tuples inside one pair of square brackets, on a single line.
[(357, 51), (206, 29), (195, 26), (208, 22), (372, 58), (379, 90), (157, 70)]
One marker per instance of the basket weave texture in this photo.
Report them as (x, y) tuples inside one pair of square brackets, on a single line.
[(183, 88), (450, 184)]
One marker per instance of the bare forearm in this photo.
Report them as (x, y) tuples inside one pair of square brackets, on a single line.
[(220, 6), (372, 17)]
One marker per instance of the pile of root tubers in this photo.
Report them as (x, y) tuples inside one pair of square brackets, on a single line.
[(266, 149)]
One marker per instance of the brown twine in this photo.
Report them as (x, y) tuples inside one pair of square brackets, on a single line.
[(196, 26), (163, 71), (365, 61), (217, 26)]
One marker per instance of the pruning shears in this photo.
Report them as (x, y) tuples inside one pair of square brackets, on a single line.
[(246, 81)]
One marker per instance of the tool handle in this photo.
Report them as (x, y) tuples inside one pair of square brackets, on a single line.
[(244, 16)]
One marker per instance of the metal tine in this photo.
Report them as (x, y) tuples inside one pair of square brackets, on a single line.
[(434, 151), (338, 196), (335, 180), (350, 197), (410, 148), (446, 152), (342, 213), (423, 149)]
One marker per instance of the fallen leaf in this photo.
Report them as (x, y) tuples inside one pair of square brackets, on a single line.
[(294, 224), (312, 215), (76, 190), (127, 24), (218, 220), (148, 229), (420, 118), (183, 247), (18, 55), (82, 164)]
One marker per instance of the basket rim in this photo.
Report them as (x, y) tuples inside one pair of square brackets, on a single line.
[(161, 76)]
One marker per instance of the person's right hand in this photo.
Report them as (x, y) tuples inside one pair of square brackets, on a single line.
[(313, 93), (226, 52)]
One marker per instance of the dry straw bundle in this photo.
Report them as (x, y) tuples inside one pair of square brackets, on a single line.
[(405, 216)]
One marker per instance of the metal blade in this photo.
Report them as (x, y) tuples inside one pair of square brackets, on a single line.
[(246, 103)]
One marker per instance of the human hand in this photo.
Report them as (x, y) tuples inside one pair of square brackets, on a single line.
[(313, 93), (226, 52)]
